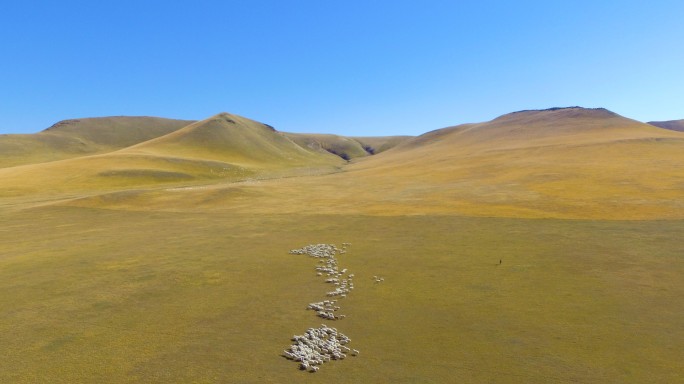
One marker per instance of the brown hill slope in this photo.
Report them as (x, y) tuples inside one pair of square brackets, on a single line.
[(562, 163), (117, 131), (80, 137), (378, 144), (675, 125), (235, 139), (538, 128), (570, 162), (223, 148), (346, 147)]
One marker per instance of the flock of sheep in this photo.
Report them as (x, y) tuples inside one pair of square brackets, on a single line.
[(320, 345)]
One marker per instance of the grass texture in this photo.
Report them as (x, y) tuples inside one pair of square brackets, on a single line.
[(539, 247), (123, 297)]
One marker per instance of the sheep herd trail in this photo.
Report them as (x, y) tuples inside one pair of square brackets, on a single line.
[(323, 344)]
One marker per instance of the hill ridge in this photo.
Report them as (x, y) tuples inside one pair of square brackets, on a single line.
[(81, 137), (231, 138), (560, 109), (559, 112), (560, 162), (673, 125)]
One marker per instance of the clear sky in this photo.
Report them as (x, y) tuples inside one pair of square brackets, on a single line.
[(347, 67)]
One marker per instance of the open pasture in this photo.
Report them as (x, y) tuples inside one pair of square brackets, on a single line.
[(94, 295)]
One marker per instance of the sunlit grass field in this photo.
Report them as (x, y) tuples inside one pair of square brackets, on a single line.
[(94, 296), (540, 247)]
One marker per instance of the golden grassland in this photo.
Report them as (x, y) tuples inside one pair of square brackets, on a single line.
[(535, 248), (347, 147), (80, 137), (586, 167), (675, 125), (94, 295)]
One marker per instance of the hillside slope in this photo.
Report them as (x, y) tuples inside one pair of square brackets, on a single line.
[(571, 163), (559, 163), (675, 125), (346, 147), (379, 144), (117, 131), (568, 162), (80, 137), (223, 148), (231, 138), (539, 128)]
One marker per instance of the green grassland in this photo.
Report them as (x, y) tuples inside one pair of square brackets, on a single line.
[(540, 247)]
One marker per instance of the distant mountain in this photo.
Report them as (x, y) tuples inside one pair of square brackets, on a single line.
[(378, 144), (79, 137), (674, 125), (534, 128), (224, 147), (561, 162), (347, 147), (232, 138), (117, 131)]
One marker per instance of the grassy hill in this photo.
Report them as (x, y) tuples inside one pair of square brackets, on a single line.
[(675, 125), (541, 246), (571, 126), (234, 139), (346, 147), (570, 162), (80, 137), (379, 144), (561, 163), (88, 136), (117, 131), (222, 148)]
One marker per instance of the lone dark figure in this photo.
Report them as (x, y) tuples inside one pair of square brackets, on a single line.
[(500, 261)]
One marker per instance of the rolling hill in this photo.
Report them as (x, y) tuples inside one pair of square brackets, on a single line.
[(347, 147), (223, 148), (561, 162), (675, 125), (89, 136), (234, 139), (542, 246), (557, 163), (379, 144), (80, 137), (117, 131), (570, 126)]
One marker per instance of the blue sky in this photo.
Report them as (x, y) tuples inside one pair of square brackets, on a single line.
[(346, 67)]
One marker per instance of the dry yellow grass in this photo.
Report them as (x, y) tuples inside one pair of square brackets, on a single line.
[(81, 137), (224, 148), (675, 125), (118, 268), (347, 147), (559, 164), (234, 139), (92, 295)]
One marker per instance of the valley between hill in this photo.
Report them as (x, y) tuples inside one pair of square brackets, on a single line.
[(571, 163), (542, 246)]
